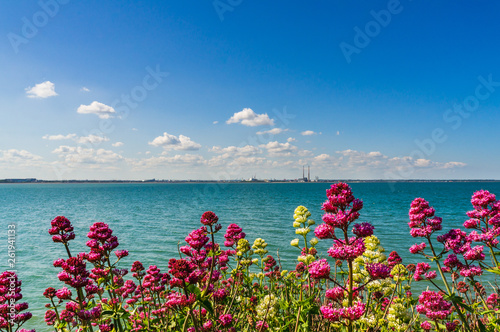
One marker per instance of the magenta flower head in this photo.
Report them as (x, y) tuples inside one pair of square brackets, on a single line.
[(209, 218), (63, 294), (319, 269), (61, 230), (394, 259), (121, 253), (482, 198), (364, 229), (378, 271), (233, 234), (433, 305)]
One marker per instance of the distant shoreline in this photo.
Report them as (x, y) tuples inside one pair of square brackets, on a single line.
[(37, 181)]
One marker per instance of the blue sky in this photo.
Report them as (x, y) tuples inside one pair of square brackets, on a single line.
[(230, 89)]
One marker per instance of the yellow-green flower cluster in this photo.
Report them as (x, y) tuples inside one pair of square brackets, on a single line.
[(301, 222), (259, 247), (266, 307), (385, 286), (398, 315), (399, 273), (242, 248), (373, 254), (306, 259)]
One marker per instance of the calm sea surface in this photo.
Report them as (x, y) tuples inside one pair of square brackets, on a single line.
[(150, 219)]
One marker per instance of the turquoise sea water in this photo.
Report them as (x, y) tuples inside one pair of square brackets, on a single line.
[(149, 219)]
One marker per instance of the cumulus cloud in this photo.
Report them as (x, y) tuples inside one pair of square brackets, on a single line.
[(215, 122), (74, 156), (177, 160), (59, 137), (232, 151), (101, 110), (172, 142), (17, 156), (279, 149), (117, 144), (85, 89), (290, 139), (41, 90), (90, 139), (274, 131), (308, 133), (248, 117)]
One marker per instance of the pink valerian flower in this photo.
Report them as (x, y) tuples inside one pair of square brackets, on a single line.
[(319, 269), (452, 262), (472, 223), (63, 294), (364, 229), (422, 269), (341, 250), (394, 259), (233, 235), (471, 271), (10, 293), (350, 313), (455, 240), (61, 230), (419, 212), (335, 294), (324, 231), (492, 299), (180, 268), (488, 237), (426, 326), (74, 272), (341, 208), (474, 254), (178, 301), (121, 253), (418, 248), (209, 218), (197, 238), (226, 320), (378, 271), (261, 326), (433, 305), (101, 243), (481, 199)]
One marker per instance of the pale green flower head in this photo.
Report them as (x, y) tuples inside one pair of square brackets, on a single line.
[(301, 214), (314, 241), (302, 231), (294, 243), (297, 224), (311, 222)]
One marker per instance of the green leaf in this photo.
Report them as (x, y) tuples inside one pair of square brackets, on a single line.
[(495, 270)]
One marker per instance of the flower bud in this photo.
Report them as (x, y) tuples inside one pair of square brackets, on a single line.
[(295, 243)]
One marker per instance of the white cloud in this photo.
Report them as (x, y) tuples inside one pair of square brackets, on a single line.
[(274, 131), (85, 89), (290, 139), (59, 137), (279, 149), (172, 142), (101, 110), (135, 129), (248, 117), (161, 161), (92, 139), (74, 156), (215, 122), (117, 144), (308, 133), (338, 133), (41, 90), (453, 164), (17, 156), (232, 151)]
